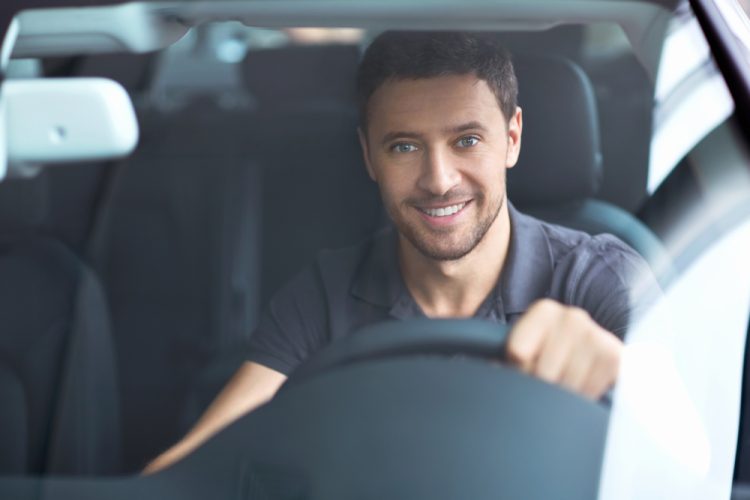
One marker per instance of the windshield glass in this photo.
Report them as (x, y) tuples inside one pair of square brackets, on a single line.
[(284, 194)]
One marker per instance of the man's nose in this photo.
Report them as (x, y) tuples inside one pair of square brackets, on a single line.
[(439, 174)]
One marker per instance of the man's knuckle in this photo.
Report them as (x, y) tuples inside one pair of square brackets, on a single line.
[(578, 315), (546, 305), (519, 351)]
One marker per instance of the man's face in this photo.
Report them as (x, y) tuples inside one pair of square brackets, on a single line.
[(438, 149)]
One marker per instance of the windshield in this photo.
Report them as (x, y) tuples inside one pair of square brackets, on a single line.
[(270, 165)]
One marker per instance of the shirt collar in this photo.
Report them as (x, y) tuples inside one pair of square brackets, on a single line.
[(524, 279)]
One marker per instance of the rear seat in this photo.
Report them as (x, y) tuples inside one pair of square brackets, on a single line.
[(80, 208), (175, 247)]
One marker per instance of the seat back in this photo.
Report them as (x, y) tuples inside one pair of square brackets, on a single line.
[(174, 242), (13, 423), (316, 191), (56, 343), (175, 246), (561, 166)]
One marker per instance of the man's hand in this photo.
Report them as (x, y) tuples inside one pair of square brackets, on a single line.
[(563, 345)]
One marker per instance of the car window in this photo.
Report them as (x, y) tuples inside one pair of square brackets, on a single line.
[(690, 78)]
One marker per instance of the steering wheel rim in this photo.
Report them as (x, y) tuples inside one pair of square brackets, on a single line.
[(400, 338)]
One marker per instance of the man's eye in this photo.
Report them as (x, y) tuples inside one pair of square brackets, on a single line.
[(467, 142), (403, 147)]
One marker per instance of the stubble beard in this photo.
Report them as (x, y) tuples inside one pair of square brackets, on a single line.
[(420, 238)]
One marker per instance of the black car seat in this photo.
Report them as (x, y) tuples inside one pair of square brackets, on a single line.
[(170, 231), (561, 165), (174, 242), (58, 382), (13, 426), (315, 190), (75, 192)]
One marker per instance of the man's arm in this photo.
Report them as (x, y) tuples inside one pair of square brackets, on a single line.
[(251, 386)]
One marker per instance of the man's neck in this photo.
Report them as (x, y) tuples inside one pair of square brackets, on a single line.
[(447, 289)]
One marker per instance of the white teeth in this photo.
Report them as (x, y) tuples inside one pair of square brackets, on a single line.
[(442, 212)]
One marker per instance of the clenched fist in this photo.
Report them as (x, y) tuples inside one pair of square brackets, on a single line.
[(563, 345)]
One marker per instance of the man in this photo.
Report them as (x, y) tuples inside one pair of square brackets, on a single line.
[(439, 127)]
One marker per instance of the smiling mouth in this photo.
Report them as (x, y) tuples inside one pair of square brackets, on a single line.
[(443, 211)]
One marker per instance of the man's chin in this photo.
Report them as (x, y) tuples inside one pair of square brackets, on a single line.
[(442, 252)]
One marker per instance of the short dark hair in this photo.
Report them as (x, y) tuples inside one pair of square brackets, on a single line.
[(406, 55)]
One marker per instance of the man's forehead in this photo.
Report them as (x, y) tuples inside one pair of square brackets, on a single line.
[(432, 88), (439, 104)]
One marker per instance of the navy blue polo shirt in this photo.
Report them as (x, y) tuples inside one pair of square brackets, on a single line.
[(344, 290)]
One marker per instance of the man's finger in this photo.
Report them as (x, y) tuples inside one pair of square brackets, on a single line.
[(554, 357), (604, 371), (579, 370), (528, 334)]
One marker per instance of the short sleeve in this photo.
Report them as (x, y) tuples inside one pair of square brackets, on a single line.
[(293, 326), (612, 282)]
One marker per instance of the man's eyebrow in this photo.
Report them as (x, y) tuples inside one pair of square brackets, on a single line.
[(464, 127)]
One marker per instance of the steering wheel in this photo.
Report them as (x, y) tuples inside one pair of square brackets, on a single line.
[(387, 412), (396, 339)]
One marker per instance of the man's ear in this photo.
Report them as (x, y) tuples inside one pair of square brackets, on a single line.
[(515, 127), (366, 153)]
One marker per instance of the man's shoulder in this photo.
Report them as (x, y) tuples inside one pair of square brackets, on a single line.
[(598, 273), (565, 242), (578, 258)]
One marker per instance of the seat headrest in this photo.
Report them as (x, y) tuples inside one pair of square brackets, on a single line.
[(560, 158), (302, 74)]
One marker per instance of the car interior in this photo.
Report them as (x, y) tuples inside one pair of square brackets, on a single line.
[(155, 266)]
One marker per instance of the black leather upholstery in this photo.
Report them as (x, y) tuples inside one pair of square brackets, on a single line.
[(316, 192), (561, 166), (23, 204), (14, 433), (560, 158), (63, 410)]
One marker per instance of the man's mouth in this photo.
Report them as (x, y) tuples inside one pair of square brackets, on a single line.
[(443, 211)]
